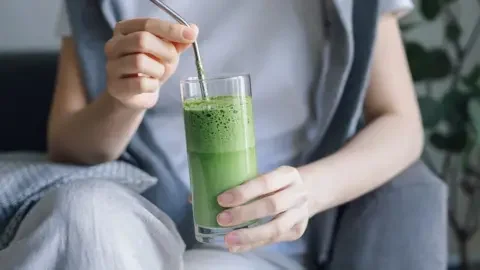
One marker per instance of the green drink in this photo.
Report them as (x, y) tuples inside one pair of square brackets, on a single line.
[(221, 152)]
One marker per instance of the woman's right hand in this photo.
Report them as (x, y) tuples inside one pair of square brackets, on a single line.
[(141, 55)]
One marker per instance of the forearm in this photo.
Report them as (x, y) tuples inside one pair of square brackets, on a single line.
[(388, 145), (97, 133)]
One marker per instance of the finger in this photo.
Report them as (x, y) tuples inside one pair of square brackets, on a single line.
[(295, 233), (265, 207), (245, 248), (111, 43), (268, 232), (262, 185), (171, 31), (181, 47), (190, 198), (135, 64), (143, 42), (135, 85)]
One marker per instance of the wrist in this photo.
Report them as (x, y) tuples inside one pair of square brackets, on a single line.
[(313, 204), (318, 182)]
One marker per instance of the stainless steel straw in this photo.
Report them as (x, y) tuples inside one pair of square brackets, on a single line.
[(198, 59)]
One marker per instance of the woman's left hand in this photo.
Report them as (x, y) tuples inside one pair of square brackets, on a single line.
[(280, 194)]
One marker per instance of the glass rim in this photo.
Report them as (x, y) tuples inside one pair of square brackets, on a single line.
[(218, 77)]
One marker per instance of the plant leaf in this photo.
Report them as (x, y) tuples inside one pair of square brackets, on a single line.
[(453, 31), (431, 111), (472, 80), (470, 155), (455, 109), (440, 65), (418, 60), (474, 75), (471, 87), (471, 216), (455, 112), (474, 113), (405, 27), (454, 142), (430, 9), (424, 65)]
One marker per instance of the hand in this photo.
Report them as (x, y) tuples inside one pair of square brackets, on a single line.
[(281, 194), (141, 55)]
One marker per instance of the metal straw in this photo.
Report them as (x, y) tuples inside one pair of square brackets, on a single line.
[(198, 59)]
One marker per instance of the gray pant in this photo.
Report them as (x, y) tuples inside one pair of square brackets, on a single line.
[(101, 225)]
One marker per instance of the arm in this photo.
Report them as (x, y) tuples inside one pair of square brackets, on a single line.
[(141, 55), (391, 141), (81, 132)]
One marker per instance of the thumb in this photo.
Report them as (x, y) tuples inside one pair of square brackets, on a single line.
[(181, 47)]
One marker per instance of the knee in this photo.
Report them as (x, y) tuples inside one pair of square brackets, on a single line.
[(93, 215), (91, 201), (78, 207), (104, 205)]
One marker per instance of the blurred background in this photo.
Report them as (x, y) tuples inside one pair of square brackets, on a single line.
[(442, 39)]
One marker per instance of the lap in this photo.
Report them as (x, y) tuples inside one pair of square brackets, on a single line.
[(94, 224), (397, 226), (211, 258)]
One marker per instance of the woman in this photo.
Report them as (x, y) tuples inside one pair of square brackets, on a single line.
[(318, 69)]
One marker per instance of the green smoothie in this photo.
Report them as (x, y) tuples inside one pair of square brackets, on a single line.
[(221, 150)]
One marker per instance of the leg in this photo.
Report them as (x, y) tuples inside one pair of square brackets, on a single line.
[(215, 258), (402, 225), (94, 225)]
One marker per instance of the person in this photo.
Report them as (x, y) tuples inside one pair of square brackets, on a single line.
[(338, 133)]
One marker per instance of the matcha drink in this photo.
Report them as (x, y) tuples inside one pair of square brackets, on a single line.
[(221, 151), (221, 147)]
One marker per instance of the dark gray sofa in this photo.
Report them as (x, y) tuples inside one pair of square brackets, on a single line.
[(26, 87)]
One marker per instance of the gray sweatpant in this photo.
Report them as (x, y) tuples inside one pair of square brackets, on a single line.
[(100, 225)]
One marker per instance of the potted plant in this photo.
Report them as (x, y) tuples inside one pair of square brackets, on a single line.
[(451, 116)]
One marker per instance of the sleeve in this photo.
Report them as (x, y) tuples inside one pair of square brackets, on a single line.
[(397, 7), (62, 28)]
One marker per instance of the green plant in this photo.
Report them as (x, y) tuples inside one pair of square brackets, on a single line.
[(451, 116)]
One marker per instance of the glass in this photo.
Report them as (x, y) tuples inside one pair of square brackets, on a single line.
[(220, 139)]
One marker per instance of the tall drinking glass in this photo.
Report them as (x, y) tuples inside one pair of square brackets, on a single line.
[(220, 144)]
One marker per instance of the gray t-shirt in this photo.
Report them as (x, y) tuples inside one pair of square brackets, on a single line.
[(237, 38), (277, 41)]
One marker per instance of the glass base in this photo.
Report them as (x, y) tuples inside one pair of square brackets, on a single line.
[(216, 236)]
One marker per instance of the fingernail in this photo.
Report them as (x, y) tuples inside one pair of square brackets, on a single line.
[(232, 239), (225, 218), (226, 198), (189, 33)]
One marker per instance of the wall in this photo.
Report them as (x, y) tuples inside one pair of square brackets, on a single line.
[(28, 25)]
